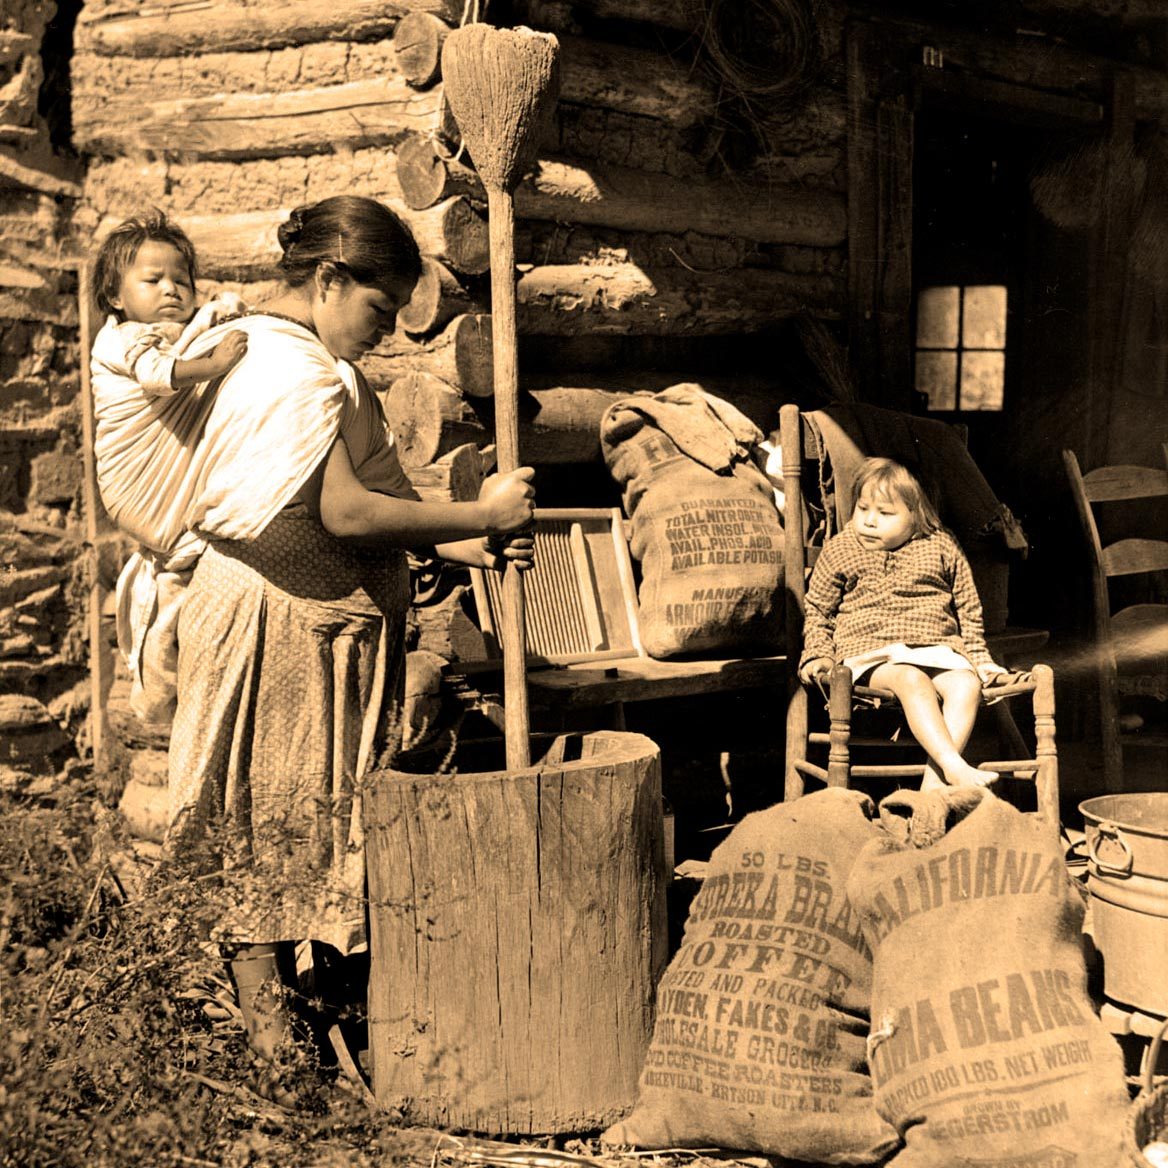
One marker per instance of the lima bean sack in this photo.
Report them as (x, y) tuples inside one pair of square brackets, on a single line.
[(710, 544), (758, 1043), (984, 1051)]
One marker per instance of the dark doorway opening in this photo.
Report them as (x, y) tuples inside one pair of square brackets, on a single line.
[(1000, 343)]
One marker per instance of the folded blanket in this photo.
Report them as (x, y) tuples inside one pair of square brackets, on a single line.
[(932, 450)]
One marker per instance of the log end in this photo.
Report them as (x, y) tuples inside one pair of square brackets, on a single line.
[(417, 44)]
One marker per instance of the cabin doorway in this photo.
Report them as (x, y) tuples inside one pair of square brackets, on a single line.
[(963, 286), (999, 335)]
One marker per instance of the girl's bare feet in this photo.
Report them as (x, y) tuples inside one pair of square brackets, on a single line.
[(963, 775)]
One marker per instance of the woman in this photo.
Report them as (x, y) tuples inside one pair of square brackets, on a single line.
[(291, 635)]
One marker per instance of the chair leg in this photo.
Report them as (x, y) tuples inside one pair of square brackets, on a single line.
[(1109, 724), (796, 743), (1046, 780), (839, 708)]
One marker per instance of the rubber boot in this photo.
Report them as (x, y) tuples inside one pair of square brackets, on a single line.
[(258, 972)]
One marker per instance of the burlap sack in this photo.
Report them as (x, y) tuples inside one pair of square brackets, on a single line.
[(758, 1043), (984, 1048), (709, 544)]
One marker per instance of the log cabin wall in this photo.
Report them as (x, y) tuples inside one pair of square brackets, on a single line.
[(44, 690), (645, 260), (689, 217)]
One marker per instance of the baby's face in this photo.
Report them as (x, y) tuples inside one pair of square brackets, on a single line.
[(157, 286)]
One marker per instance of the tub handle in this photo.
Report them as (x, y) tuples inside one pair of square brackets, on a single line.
[(1107, 830), (1153, 1057)]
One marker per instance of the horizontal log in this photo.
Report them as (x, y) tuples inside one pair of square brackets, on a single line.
[(123, 185), (212, 107), (635, 200), (437, 298), (638, 201), (162, 30), (254, 125), (583, 131), (244, 246), (811, 168), (558, 425), (460, 356), (14, 44), (634, 81), (253, 293), (679, 15), (540, 242), (40, 169), (417, 44), (298, 68), (623, 298), (817, 123)]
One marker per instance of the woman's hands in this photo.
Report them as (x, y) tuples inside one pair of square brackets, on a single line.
[(492, 552), (507, 501), (516, 550), (815, 668)]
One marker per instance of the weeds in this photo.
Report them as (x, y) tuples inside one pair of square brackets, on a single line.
[(119, 1044)]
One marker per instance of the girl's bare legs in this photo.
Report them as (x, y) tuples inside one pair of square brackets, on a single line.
[(942, 732)]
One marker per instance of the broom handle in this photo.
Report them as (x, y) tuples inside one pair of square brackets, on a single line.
[(505, 345)]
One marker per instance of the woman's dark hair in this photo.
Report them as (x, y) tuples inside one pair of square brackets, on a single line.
[(359, 236), (119, 248)]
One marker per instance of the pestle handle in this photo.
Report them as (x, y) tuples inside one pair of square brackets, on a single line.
[(505, 345)]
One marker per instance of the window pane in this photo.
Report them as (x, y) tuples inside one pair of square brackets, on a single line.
[(983, 379), (984, 323), (937, 318), (937, 379)]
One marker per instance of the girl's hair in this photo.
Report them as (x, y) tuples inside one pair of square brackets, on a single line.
[(359, 236), (119, 248), (885, 477)]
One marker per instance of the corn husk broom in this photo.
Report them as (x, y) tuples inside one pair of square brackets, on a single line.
[(502, 85)]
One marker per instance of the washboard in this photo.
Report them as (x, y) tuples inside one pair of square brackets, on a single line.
[(580, 598)]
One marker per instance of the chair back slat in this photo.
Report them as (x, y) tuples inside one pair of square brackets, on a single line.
[(1111, 484), (1128, 557)]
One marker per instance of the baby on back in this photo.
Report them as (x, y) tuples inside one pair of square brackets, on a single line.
[(154, 375), (143, 367)]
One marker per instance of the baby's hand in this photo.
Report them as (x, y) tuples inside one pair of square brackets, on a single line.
[(816, 667), (226, 353)]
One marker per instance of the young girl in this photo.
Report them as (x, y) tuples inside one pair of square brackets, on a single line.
[(148, 418), (893, 594)]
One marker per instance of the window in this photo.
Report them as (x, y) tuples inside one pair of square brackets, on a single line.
[(961, 346)]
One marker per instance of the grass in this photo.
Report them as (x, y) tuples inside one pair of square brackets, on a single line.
[(119, 1043)]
